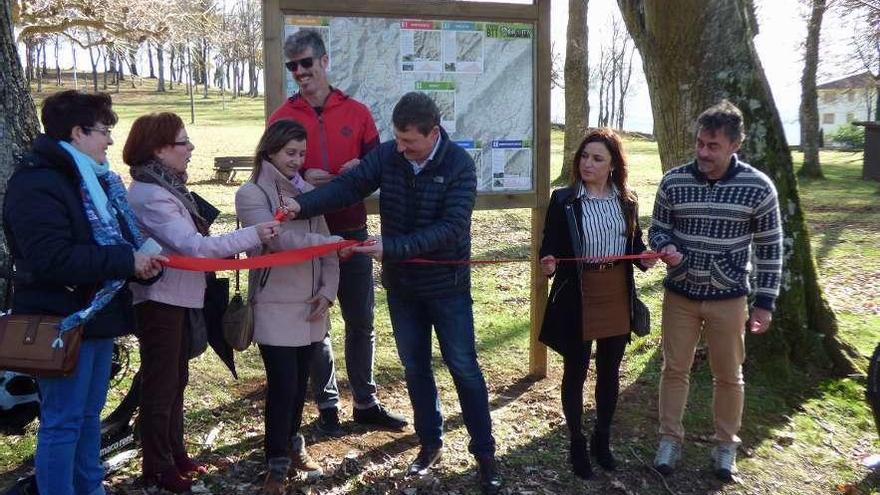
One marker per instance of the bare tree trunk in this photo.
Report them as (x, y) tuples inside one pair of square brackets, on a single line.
[(57, 62), (73, 54), (29, 60), (696, 52), (94, 61), (612, 84), (809, 111), (132, 61), (205, 66), (18, 117), (624, 80), (40, 49), (577, 84), (171, 71), (160, 66), (120, 68), (189, 86), (182, 53), (45, 70), (150, 59), (106, 53)]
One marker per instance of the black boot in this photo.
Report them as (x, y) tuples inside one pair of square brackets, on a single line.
[(600, 447), (580, 460)]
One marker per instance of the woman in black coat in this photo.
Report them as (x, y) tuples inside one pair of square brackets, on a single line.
[(595, 217), (75, 246)]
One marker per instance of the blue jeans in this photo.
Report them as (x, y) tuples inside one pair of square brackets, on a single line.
[(356, 300), (68, 460), (453, 319)]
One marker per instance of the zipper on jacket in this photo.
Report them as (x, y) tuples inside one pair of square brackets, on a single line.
[(325, 153)]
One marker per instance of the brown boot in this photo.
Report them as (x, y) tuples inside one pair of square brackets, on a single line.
[(300, 460), (276, 476), (273, 486)]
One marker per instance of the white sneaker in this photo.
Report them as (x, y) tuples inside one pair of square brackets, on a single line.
[(724, 460), (668, 455)]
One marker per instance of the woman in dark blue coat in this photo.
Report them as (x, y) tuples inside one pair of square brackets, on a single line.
[(74, 245), (595, 217)]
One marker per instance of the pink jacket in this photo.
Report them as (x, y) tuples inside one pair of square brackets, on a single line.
[(164, 218), (280, 308)]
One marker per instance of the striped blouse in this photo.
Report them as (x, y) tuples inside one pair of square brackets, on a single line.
[(603, 223)]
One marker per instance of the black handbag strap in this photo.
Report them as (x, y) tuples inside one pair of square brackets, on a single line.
[(237, 272)]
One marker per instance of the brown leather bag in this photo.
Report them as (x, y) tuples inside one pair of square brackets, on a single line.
[(28, 345)]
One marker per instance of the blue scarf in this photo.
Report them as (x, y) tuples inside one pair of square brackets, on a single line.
[(104, 203)]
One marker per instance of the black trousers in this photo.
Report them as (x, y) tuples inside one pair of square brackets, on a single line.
[(287, 375), (609, 353)]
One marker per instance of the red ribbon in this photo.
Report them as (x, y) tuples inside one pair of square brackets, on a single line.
[(294, 256), (289, 257), (606, 259)]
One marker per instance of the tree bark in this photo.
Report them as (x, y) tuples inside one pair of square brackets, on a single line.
[(132, 61), (18, 118), (150, 60), (696, 52), (577, 84), (40, 49), (160, 65), (73, 55), (809, 110), (57, 62)]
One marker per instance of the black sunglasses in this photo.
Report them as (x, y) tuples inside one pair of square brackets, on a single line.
[(306, 63)]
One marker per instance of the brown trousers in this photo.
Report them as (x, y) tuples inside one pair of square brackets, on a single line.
[(722, 323), (164, 349)]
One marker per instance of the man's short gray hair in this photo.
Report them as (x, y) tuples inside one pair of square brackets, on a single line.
[(724, 116), (297, 43)]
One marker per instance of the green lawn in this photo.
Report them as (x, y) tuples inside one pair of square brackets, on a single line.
[(805, 438)]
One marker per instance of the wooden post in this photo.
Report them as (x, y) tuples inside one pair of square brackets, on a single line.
[(273, 61), (537, 350)]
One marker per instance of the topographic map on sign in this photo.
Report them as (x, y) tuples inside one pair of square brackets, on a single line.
[(479, 73)]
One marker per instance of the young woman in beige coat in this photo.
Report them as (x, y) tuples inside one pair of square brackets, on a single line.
[(291, 301)]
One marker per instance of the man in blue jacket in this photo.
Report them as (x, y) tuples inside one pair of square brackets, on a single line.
[(428, 186)]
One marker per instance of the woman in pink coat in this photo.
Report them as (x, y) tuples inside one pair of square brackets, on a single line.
[(158, 151), (290, 302)]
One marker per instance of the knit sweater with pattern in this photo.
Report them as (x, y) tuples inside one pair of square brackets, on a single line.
[(720, 228)]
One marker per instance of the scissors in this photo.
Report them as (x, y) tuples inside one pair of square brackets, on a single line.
[(280, 213)]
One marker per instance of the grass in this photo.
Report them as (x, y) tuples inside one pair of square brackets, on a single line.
[(807, 436)]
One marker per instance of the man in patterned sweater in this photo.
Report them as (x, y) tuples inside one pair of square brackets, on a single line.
[(712, 217)]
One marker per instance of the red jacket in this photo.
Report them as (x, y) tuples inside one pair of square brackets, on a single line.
[(344, 130)]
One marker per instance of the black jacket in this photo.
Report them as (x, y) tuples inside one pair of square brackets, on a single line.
[(58, 265), (562, 326), (423, 216)]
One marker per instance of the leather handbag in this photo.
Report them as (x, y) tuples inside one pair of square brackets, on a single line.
[(32, 344), (641, 318), (238, 320)]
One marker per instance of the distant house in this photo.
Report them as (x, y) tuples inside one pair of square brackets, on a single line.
[(845, 100)]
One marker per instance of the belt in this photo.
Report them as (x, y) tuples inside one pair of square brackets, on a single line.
[(599, 267)]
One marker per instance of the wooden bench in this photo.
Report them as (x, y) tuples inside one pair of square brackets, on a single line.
[(225, 167)]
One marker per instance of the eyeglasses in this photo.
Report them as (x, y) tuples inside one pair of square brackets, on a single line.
[(306, 63), (185, 142), (103, 130)]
